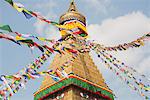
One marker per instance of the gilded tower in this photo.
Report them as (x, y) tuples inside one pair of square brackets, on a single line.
[(84, 81)]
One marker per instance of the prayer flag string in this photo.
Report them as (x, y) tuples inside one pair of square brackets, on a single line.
[(136, 43), (123, 78)]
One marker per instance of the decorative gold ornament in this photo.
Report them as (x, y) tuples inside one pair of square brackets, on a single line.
[(72, 14)]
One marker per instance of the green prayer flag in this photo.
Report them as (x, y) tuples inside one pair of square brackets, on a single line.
[(54, 23), (9, 1), (26, 41), (147, 34), (83, 34), (0, 97), (6, 28)]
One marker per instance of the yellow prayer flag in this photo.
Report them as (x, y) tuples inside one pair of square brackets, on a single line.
[(47, 52), (63, 32), (41, 38), (27, 11), (19, 38), (19, 9), (141, 43), (32, 67), (71, 26), (147, 88)]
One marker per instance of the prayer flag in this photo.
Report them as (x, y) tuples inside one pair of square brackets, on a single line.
[(55, 78), (9, 1), (18, 7), (27, 14), (6, 28), (26, 41)]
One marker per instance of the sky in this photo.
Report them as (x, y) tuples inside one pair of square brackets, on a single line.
[(109, 22)]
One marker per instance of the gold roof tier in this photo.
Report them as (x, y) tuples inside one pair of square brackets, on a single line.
[(83, 66), (72, 14)]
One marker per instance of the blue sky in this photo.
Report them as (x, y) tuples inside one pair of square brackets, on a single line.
[(109, 22)]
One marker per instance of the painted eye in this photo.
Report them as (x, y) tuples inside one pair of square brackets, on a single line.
[(57, 98), (84, 95), (62, 95), (81, 94)]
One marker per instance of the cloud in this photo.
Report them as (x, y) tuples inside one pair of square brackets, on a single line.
[(41, 27), (120, 30), (144, 65), (100, 6), (52, 33), (46, 5), (123, 29)]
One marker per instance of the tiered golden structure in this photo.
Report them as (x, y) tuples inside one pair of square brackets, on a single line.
[(85, 82)]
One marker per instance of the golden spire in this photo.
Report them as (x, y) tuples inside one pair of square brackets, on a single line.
[(72, 14), (72, 7)]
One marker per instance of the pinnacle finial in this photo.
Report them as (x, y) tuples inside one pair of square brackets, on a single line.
[(72, 14), (72, 6)]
